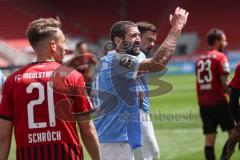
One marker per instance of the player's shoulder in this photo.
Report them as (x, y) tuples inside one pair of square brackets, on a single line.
[(109, 56), (88, 54), (18, 71), (113, 56), (127, 61), (141, 56), (219, 55), (203, 57), (68, 72), (206, 55), (64, 75), (34, 67), (74, 73), (117, 60), (214, 55)]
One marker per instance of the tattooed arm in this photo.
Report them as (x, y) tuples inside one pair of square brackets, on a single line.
[(165, 51)]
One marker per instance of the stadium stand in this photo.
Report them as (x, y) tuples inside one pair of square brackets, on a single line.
[(208, 14), (91, 19)]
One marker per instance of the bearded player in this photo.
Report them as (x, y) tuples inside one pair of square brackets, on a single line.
[(212, 72), (115, 93)]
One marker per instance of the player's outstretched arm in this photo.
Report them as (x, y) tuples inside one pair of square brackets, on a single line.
[(5, 138), (166, 49), (90, 137)]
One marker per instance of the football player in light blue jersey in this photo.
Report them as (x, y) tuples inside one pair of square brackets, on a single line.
[(149, 149), (115, 92)]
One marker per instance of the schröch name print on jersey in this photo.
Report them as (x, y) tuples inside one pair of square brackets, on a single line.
[(44, 136)]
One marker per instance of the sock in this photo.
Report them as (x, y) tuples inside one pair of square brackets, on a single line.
[(209, 153)]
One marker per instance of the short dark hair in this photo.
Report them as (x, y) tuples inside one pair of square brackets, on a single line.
[(42, 28), (119, 29), (80, 43), (213, 35), (146, 26)]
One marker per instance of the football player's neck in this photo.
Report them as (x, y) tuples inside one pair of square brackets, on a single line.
[(44, 57), (43, 54), (213, 47)]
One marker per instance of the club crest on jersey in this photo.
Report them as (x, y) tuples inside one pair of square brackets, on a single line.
[(126, 62), (226, 67)]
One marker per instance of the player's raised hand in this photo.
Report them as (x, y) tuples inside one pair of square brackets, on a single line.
[(179, 18)]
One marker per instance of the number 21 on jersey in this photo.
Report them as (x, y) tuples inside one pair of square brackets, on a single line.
[(41, 97)]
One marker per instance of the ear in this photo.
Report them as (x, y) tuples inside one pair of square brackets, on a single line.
[(216, 42), (52, 46)]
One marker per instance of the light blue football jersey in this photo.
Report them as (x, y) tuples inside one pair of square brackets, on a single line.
[(115, 98)]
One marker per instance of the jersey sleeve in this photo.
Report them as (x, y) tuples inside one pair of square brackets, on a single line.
[(223, 65), (235, 82), (6, 108), (82, 102), (125, 66), (141, 57)]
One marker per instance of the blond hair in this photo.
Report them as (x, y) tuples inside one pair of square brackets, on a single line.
[(42, 28)]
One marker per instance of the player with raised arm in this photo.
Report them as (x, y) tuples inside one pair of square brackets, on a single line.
[(212, 70), (41, 101), (115, 92)]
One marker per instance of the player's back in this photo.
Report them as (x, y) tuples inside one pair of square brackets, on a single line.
[(37, 95), (209, 69)]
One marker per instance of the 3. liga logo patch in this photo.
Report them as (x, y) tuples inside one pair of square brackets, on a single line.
[(127, 62)]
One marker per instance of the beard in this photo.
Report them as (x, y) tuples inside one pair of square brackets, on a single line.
[(135, 49), (129, 48)]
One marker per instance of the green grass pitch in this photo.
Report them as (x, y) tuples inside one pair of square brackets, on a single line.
[(177, 124)]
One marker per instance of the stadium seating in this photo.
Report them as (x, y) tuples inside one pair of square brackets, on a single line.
[(207, 14), (154, 11), (14, 21), (91, 19)]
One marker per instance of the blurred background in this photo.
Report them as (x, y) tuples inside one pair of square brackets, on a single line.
[(90, 20)]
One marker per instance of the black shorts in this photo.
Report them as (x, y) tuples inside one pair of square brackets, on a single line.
[(212, 116)]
